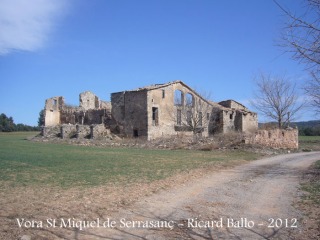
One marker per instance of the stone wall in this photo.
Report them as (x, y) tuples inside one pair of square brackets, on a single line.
[(117, 109), (50, 131), (91, 111), (233, 104), (88, 117), (83, 131), (68, 131), (52, 111), (275, 138), (97, 131), (249, 122), (239, 121), (88, 100), (163, 107), (229, 117), (129, 109)]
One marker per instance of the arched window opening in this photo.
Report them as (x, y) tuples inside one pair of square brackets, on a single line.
[(189, 100), (178, 98)]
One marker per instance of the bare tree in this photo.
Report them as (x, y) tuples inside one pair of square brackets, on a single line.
[(302, 33), (276, 98), (301, 37), (312, 89)]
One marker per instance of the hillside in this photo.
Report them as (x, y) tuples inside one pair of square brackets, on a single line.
[(307, 124), (306, 128)]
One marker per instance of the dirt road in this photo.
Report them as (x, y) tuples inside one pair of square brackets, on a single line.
[(252, 201)]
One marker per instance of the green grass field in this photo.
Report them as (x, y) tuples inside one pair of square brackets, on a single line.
[(309, 143), (309, 138), (28, 163), (313, 185)]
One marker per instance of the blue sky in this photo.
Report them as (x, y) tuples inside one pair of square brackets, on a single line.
[(61, 48)]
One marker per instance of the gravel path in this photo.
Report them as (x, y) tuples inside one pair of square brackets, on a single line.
[(252, 201)]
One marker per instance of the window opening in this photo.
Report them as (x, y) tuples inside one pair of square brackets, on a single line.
[(178, 98), (179, 117), (155, 116), (135, 133), (189, 118), (189, 100)]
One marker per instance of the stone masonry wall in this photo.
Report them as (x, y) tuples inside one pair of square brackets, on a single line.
[(163, 107), (129, 110), (275, 138), (83, 131), (52, 110), (68, 131), (232, 104), (51, 131), (249, 122), (88, 100), (98, 130)]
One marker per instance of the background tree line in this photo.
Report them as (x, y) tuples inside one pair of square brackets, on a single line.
[(7, 125), (309, 131), (310, 128)]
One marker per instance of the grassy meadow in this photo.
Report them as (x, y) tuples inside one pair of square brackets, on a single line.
[(309, 143), (313, 185), (28, 163)]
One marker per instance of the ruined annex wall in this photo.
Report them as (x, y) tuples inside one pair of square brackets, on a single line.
[(50, 131), (238, 120), (88, 100), (91, 111), (215, 124), (136, 116), (129, 111), (78, 116), (67, 115), (106, 105), (68, 131), (83, 131), (52, 111), (99, 130), (228, 118), (117, 113), (117, 107), (161, 119), (249, 121), (233, 104), (94, 116), (275, 138)]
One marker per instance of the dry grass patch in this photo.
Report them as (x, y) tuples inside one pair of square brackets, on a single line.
[(42, 180)]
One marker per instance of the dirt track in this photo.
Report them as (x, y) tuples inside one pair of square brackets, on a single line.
[(257, 192), (250, 201)]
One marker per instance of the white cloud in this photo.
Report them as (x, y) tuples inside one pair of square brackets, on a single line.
[(26, 24)]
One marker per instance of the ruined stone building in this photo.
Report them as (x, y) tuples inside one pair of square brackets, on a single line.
[(152, 112), (69, 121)]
